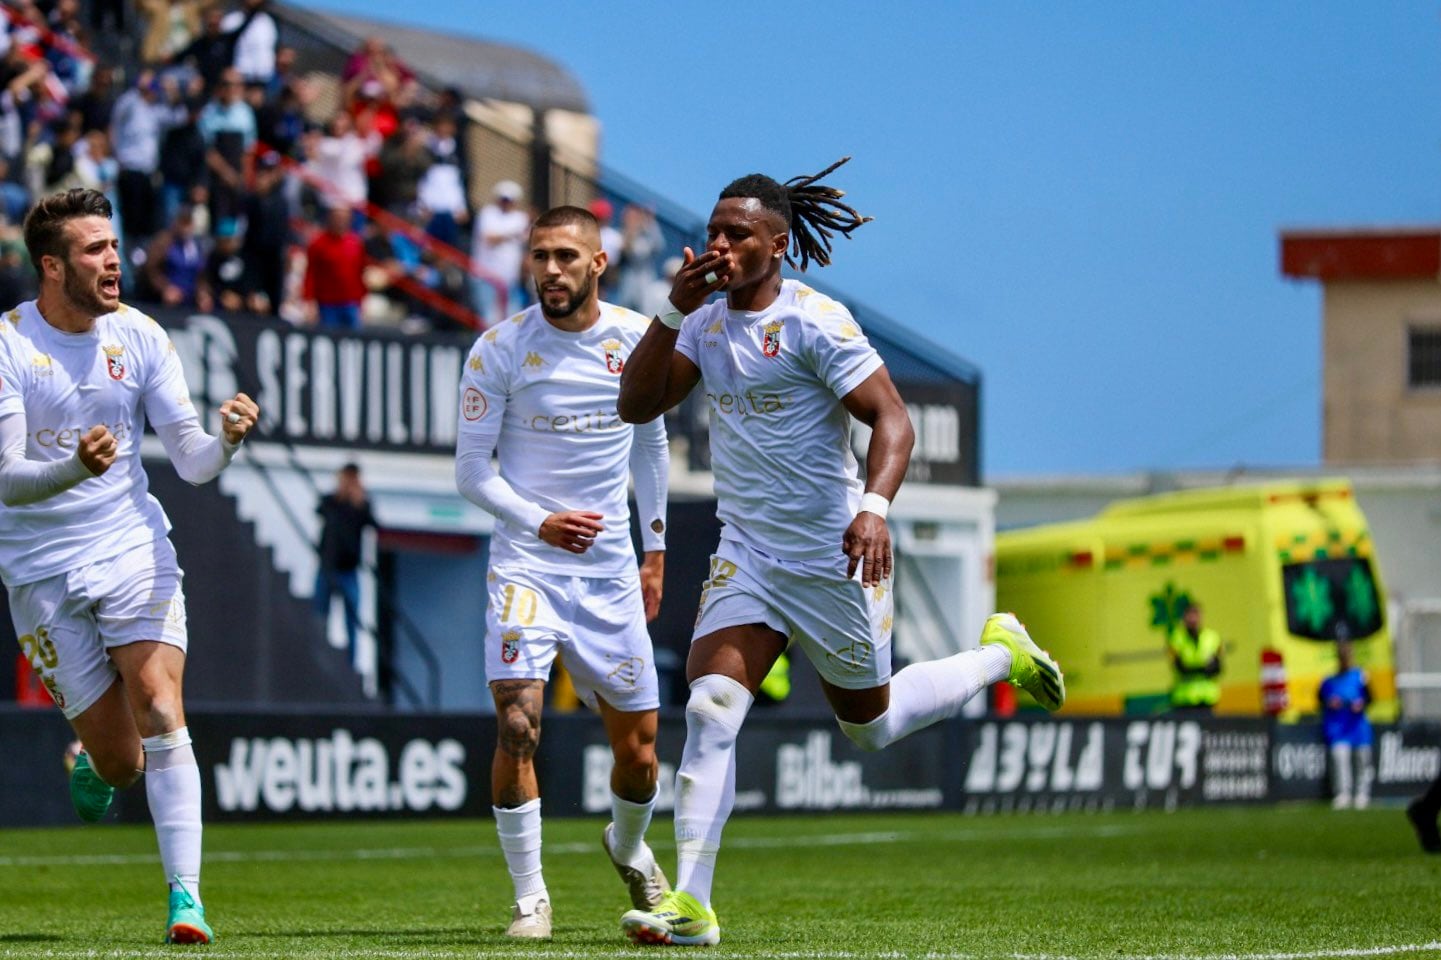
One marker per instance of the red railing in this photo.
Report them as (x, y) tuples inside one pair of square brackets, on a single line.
[(49, 37), (440, 251)]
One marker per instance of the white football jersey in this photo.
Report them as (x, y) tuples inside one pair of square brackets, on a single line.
[(562, 445), (785, 477), (64, 384)]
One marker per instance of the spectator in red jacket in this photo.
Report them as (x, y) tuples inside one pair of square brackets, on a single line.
[(335, 261)]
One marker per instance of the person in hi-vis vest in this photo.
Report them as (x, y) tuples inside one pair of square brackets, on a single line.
[(1196, 661)]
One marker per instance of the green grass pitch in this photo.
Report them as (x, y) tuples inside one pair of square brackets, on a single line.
[(1286, 883)]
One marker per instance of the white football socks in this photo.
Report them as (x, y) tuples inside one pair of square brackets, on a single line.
[(519, 830), (705, 783), (172, 788), (924, 693), (631, 820)]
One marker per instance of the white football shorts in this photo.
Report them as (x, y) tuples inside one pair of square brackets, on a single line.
[(595, 625), (67, 622), (844, 628)]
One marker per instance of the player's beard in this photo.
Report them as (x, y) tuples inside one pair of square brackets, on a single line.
[(572, 303), (86, 297)]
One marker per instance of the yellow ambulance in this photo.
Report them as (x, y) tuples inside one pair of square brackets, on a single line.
[(1281, 568)]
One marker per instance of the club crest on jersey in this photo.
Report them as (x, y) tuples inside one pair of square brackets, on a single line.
[(510, 646), (771, 342), (614, 362), (114, 361)]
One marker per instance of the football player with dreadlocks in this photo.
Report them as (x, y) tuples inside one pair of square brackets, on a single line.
[(805, 555)]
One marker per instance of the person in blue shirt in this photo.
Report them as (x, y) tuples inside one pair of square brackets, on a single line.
[(1344, 697)]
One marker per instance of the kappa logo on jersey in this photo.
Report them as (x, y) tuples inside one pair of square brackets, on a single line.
[(115, 361), (771, 343), (473, 404), (849, 331), (533, 360), (42, 365), (510, 646), (490, 336), (614, 362), (477, 364), (716, 327), (14, 317)]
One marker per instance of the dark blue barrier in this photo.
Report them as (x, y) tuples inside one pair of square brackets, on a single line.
[(268, 765)]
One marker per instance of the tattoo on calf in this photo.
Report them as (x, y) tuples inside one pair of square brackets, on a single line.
[(518, 704)]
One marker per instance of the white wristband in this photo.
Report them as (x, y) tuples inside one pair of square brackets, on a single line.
[(874, 503), (670, 316)]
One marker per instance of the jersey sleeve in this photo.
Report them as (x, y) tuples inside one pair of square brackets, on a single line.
[(484, 392), (685, 341), (839, 352), (12, 397), (650, 471), (484, 389), (167, 395)]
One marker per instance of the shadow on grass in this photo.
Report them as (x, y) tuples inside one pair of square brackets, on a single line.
[(438, 936), (29, 938)]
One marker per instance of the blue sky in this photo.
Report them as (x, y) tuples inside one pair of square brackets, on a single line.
[(1081, 198)]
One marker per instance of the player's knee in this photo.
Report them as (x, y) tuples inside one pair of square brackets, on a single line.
[(717, 705), (871, 736), (163, 713)]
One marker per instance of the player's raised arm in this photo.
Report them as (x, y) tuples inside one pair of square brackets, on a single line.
[(868, 540), (656, 377), (199, 456)]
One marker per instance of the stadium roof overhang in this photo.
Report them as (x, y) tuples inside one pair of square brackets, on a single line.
[(479, 69)]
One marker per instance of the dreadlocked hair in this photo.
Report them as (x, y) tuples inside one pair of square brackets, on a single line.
[(812, 211)]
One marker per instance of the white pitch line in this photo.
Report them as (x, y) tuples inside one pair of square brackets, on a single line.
[(457, 953), (1386, 951), (463, 853)]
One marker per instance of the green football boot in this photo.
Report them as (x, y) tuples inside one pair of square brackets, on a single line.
[(679, 920), (1031, 668), (187, 919), (89, 794)]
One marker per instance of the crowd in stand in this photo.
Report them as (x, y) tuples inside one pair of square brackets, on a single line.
[(239, 184)]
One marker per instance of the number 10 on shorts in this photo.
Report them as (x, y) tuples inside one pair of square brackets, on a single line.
[(520, 601)]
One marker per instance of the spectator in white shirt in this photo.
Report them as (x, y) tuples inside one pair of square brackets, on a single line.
[(497, 251), (256, 36)]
